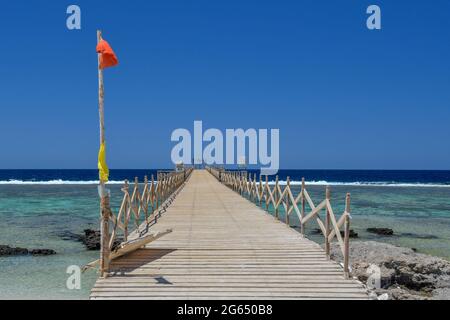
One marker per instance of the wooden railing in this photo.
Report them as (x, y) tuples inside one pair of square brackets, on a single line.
[(278, 197), (128, 229)]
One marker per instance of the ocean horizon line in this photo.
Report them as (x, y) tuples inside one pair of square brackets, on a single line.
[(270, 182), (248, 169), (354, 177)]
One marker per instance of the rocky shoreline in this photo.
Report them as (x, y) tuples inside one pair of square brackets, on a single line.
[(397, 273)]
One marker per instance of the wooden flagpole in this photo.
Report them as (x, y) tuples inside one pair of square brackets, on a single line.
[(104, 196), (100, 93)]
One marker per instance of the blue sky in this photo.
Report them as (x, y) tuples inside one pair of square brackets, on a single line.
[(342, 96)]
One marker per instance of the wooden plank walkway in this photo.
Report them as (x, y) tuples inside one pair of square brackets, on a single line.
[(224, 247)]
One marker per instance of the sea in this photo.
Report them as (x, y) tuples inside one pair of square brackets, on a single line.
[(38, 207)]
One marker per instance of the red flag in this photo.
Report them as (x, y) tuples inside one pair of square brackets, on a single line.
[(107, 57)]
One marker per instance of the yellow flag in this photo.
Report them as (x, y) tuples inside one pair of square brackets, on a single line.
[(103, 170)]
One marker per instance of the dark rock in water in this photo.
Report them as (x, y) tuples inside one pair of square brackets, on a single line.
[(352, 234), (67, 235), (11, 251), (90, 238), (381, 231), (42, 252), (404, 274), (419, 236)]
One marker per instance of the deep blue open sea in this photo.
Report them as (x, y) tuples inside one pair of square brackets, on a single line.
[(37, 206), (335, 177)]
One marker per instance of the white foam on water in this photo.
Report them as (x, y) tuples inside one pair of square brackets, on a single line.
[(53, 182), (364, 184), (272, 182)]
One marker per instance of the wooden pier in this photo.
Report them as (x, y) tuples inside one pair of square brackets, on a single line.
[(223, 246)]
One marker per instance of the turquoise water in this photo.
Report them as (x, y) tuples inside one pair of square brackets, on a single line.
[(33, 216)]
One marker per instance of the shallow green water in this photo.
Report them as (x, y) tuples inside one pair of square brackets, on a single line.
[(33, 216)]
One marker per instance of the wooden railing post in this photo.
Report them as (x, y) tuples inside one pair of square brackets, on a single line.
[(145, 197), (126, 208), (327, 223), (347, 236), (158, 190), (256, 187), (152, 193), (288, 186), (267, 192), (135, 203), (238, 182), (302, 211), (260, 190), (243, 182), (277, 196), (163, 187), (249, 187)]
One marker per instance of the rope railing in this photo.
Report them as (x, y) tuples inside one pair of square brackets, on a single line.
[(278, 197), (139, 209)]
